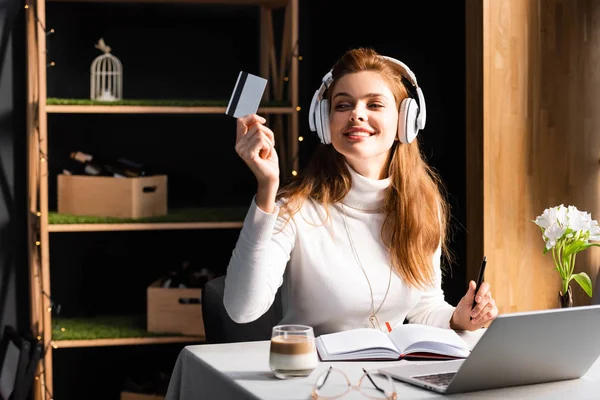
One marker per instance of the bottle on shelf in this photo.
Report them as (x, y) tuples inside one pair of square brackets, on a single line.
[(179, 277), (81, 164), (96, 166), (173, 280), (133, 168), (188, 275), (75, 168)]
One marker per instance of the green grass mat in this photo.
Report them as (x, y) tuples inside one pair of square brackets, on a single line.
[(214, 214), (148, 102), (104, 327)]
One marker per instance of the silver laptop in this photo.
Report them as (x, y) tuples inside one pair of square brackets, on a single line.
[(517, 349)]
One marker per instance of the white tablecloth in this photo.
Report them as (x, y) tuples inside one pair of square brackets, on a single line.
[(241, 371)]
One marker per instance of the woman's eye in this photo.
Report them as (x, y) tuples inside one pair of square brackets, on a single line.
[(376, 105), (342, 106)]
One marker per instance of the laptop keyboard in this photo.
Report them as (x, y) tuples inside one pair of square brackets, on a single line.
[(441, 379)]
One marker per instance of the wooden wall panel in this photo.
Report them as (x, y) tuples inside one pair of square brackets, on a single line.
[(540, 135), (474, 142), (568, 114)]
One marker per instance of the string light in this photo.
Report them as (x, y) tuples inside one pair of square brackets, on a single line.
[(298, 108), (43, 372), (47, 31), (50, 308), (43, 158)]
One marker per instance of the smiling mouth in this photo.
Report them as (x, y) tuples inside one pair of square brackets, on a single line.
[(358, 134)]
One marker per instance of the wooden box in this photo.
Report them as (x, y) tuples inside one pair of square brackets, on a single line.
[(170, 310), (140, 396), (105, 196)]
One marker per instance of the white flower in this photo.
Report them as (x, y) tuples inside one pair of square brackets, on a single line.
[(552, 234), (567, 231), (578, 220), (551, 216), (594, 231), (561, 214), (547, 218), (555, 221)]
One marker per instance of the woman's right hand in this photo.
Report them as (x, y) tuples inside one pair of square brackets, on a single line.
[(255, 144)]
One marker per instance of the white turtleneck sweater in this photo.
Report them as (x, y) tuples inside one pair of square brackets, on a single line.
[(323, 283)]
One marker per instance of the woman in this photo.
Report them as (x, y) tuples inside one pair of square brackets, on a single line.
[(359, 235)]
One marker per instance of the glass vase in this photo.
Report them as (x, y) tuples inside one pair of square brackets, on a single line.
[(566, 300)]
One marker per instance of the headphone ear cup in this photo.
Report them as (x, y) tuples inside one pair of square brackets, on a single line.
[(318, 122), (407, 120), (324, 112), (312, 111)]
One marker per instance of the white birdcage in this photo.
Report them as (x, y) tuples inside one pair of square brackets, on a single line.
[(106, 76)]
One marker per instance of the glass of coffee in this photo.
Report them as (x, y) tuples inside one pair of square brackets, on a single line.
[(293, 353)]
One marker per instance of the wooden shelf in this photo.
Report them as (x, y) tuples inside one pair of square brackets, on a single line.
[(110, 330), (116, 109), (57, 105), (142, 226), (64, 344), (267, 3), (193, 218)]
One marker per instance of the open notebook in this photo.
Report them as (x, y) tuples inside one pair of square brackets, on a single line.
[(405, 341)]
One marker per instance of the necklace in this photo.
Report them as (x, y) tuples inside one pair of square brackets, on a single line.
[(373, 318)]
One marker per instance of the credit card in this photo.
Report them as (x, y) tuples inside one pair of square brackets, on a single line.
[(246, 96)]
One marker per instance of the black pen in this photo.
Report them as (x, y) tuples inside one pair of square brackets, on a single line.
[(479, 282)]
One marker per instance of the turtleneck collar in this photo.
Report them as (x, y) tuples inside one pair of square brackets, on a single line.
[(366, 194)]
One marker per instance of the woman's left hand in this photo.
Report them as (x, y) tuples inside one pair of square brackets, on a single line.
[(482, 314)]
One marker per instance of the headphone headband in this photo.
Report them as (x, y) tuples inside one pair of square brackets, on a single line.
[(406, 72)]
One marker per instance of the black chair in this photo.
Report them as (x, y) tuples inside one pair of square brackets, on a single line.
[(18, 360), (220, 328)]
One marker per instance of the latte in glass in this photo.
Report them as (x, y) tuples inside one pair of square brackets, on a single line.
[(293, 353)]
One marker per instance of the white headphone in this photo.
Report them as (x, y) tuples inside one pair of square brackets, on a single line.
[(411, 116)]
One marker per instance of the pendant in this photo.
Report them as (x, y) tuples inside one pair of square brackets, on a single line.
[(372, 320)]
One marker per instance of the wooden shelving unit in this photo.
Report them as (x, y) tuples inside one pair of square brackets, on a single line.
[(40, 226)]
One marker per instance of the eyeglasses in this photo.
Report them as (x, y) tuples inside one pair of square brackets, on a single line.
[(334, 383)]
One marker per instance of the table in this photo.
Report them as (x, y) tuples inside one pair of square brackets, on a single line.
[(241, 371)]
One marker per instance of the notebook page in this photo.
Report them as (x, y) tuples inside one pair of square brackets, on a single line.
[(355, 340), (437, 348), (405, 335)]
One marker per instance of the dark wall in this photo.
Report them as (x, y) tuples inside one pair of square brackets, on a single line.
[(14, 303)]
